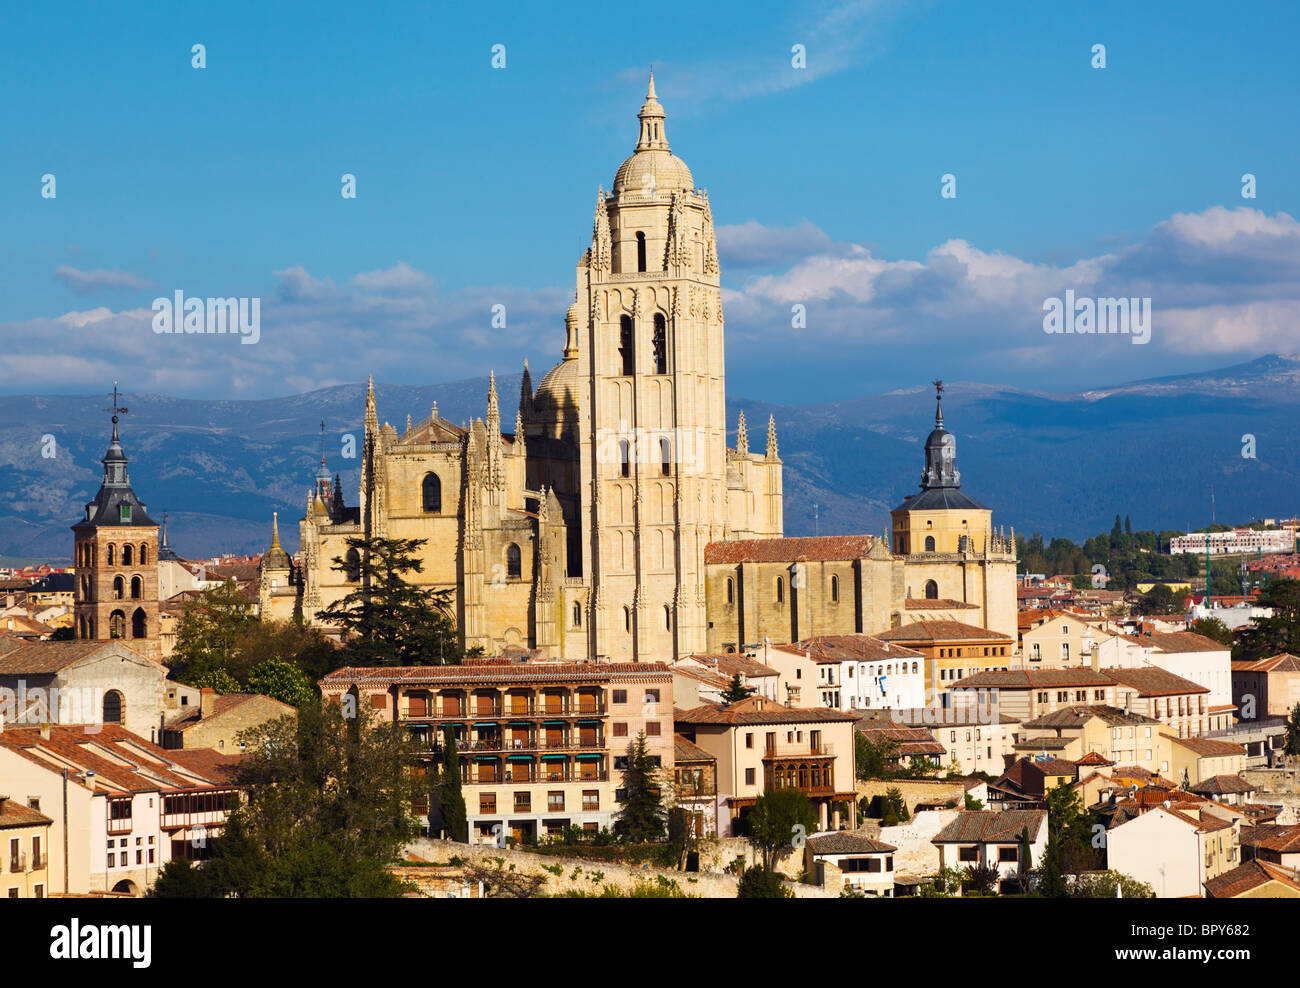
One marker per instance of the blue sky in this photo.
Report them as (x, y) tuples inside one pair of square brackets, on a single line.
[(476, 186)]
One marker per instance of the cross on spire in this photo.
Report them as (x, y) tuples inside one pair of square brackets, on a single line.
[(116, 408)]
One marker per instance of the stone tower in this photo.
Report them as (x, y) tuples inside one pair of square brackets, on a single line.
[(115, 548), (652, 432)]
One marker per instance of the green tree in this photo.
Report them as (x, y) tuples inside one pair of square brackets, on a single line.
[(1268, 636), (451, 800), (63, 634), (1292, 746), (1158, 600), (1212, 627), (1103, 885), (179, 879), (642, 817), (1070, 844), (388, 621), (1116, 531), (778, 819), (874, 760), (972, 804), (207, 638), (736, 690), (283, 681), (217, 679), (759, 883)]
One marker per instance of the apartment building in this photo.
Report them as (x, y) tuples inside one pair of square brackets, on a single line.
[(543, 744), (24, 851), (954, 650), (759, 745), (1117, 736), (1175, 851), (1183, 653), (120, 807)]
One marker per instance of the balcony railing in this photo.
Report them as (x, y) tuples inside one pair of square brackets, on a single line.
[(530, 709), (523, 744), (18, 863), (39, 861), (121, 825), (514, 780), (809, 750)]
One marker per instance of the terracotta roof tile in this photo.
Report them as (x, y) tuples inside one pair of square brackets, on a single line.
[(937, 631), (825, 547), (1247, 877), (991, 826)]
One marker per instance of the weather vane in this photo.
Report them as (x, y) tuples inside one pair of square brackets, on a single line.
[(938, 388), (115, 408)]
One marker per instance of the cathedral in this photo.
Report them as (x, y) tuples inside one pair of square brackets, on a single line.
[(599, 527)]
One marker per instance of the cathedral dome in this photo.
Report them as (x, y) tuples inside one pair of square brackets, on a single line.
[(559, 391), (652, 166), (652, 171)]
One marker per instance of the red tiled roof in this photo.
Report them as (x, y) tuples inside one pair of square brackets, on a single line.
[(1220, 785), (222, 703), (1283, 662), (1154, 681), (938, 604), (488, 671), (1247, 877), (825, 547), (1034, 679), (991, 826), (688, 751), (21, 656), (15, 814), (848, 843), (756, 711), (1208, 747), (941, 631), (849, 648)]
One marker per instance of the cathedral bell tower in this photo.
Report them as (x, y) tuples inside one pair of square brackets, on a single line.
[(652, 431), (115, 549)]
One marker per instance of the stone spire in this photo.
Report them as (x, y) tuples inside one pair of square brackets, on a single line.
[(940, 451), (493, 409), (526, 391), (275, 530), (372, 416), (772, 453), (742, 436), (519, 433), (652, 115), (602, 249)]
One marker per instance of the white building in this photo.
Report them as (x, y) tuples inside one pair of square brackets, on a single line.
[(1173, 852), (992, 838), (848, 672), (1238, 540), (1202, 660)]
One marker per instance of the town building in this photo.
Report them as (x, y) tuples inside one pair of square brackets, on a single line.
[(1268, 687), (1253, 880), (863, 863), (953, 650), (1116, 736), (544, 744), (1175, 851), (121, 807), (848, 672), (994, 839), (1236, 541), (24, 851), (217, 721), (761, 745)]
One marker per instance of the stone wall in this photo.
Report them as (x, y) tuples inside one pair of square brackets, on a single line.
[(916, 791), (916, 855), (529, 875)]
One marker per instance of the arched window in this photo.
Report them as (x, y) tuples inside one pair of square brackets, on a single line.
[(780, 590), (126, 554), (144, 554), (731, 591), (137, 588), (139, 624), (352, 566), (431, 493), (931, 590), (117, 625), (660, 340), (929, 543), (916, 667), (668, 618), (626, 345), (835, 589), (577, 614), (627, 619), (666, 456), (110, 554), (624, 458), (119, 588), (640, 251), (114, 707), (514, 562)]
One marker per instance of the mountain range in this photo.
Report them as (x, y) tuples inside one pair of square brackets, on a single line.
[(1161, 451)]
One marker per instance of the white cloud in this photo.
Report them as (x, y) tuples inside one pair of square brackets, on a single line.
[(99, 279)]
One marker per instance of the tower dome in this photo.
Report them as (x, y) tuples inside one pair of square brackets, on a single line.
[(652, 167)]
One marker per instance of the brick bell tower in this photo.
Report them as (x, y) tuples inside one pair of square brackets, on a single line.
[(116, 557)]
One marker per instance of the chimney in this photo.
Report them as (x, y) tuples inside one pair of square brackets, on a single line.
[(45, 730), (207, 700)]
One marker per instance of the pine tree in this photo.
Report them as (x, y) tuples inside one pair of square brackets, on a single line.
[(388, 621), (642, 817), (455, 820), (736, 690), (1293, 732)]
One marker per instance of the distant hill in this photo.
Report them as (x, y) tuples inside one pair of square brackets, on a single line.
[(1060, 464)]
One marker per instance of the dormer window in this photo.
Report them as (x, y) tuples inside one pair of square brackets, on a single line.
[(124, 512)]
